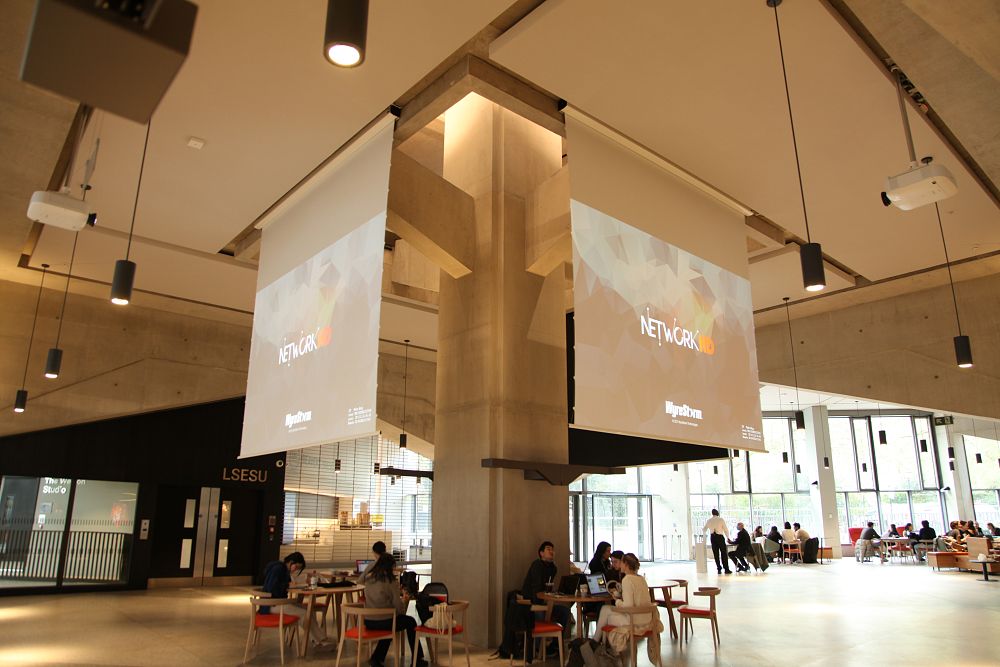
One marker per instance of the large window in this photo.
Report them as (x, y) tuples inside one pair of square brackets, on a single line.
[(769, 471), (845, 467), (897, 458)]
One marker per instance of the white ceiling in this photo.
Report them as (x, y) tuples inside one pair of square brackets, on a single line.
[(700, 83)]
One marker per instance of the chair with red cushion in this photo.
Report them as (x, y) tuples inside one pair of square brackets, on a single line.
[(353, 628), (632, 612), (672, 601), (688, 612), (543, 630), (277, 620), (454, 626)]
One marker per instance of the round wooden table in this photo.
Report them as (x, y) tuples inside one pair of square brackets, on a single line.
[(579, 601), (334, 596)]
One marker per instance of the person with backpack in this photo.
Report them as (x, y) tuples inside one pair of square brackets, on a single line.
[(382, 591)]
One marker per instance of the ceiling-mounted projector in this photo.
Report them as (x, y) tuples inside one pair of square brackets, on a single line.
[(60, 210), (919, 185)]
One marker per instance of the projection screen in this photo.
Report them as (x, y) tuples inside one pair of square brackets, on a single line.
[(664, 337), (314, 346)]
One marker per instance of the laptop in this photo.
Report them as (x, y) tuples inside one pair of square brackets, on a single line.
[(568, 584), (597, 584), (360, 565)]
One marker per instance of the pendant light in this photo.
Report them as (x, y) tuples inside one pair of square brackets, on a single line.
[(784, 457), (923, 445), (951, 465), (406, 361), (21, 397), (800, 417), (963, 346), (715, 469), (883, 438), (979, 457), (53, 361), (346, 32), (676, 468), (336, 462), (121, 284), (376, 441), (951, 452), (810, 254), (798, 469)]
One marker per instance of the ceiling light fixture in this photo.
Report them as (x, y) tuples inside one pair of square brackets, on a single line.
[(800, 417), (810, 254), (951, 452), (676, 468), (53, 361), (406, 361), (784, 457), (963, 346), (979, 457), (346, 32), (883, 437), (21, 397), (715, 469), (336, 462), (124, 278)]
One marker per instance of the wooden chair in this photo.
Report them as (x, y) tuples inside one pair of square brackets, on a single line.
[(671, 602), (279, 620), (788, 550), (544, 629), (456, 627), (687, 613), (632, 612), (353, 627)]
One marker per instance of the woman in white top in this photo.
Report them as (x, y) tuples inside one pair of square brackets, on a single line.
[(788, 535), (634, 592)]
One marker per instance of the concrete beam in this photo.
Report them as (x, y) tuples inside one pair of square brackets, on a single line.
[(433, 215), (248, 247), (548, 242)]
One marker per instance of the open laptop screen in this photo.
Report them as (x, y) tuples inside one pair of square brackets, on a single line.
[(596, 584), (362, 564)]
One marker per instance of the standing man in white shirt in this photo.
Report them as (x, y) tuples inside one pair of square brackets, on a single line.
[(718, 534)]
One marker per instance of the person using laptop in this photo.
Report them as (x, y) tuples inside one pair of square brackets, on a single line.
[(615, 572), (543, 571), (634, 592)]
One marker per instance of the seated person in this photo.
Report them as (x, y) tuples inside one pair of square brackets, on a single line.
[(601, 562), (382, 592), (742, 543), (773, 536), (277, 578), (992, 530), (615, 573), (758, 532), (925, 533), (954, 539), (788, 534), (893, 531), (800, 534), (871, 535), (542, 571), (634, 592)]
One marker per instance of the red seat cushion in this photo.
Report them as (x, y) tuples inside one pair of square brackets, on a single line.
[(695, 611), (352, 633), (545, 626), (457, 630), (272, 620)]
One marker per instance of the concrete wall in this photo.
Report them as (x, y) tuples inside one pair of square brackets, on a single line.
[(898, 349)]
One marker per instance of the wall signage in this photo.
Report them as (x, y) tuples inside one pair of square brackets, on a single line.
[(244, 475), (946, 420)]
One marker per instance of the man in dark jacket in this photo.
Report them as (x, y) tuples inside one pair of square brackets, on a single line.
[(742, 548), (543, 571), (278, 575), (925, 533)]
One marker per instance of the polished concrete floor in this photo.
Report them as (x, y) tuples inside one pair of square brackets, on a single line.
[(843, 613)]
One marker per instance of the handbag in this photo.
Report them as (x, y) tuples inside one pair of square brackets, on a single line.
[(441, 619)]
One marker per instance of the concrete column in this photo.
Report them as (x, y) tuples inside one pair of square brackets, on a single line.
[(958, 500), (501, 373), (824, 493)]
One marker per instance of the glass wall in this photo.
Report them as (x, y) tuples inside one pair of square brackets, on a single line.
[(984, 473), (611, 508), (39, 549), (337, 504)]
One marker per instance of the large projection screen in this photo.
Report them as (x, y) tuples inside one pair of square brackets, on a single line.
[(664, 337), (314, 346)]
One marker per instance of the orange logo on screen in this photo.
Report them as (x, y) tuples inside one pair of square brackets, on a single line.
[(706, 344), (326, 333)]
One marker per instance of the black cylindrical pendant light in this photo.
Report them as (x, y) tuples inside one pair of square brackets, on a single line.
[(883, 438), (53, 362), (864, 467), (406, 364), (963, 351), (784, 457), (336, 462), (21, 400), (346, 32), (826, 462), (951, 465), (121, 283), (951, 452), (715, 469), (923, 445), (798, 468), (813, 273), (800, 420), (375, 468), (392, 480), (676, 468), (811, 255), (979, 457), (21, 397)]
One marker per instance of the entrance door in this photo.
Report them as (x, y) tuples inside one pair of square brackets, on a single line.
[(205, 535)]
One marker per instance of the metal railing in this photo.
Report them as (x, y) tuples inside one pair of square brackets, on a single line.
[(91, 556)]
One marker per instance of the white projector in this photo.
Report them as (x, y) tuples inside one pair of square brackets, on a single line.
[(918, 186), (60, 210)]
